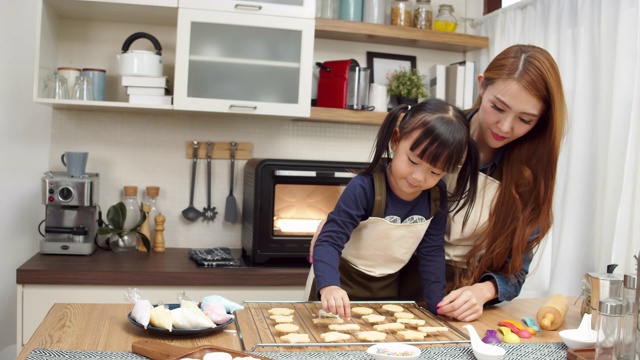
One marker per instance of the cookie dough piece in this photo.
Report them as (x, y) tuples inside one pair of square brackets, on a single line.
[(373, 318), (372, 336), (432, 329), (389, 327), (403, 315), (281, 311), (411, 335), (411, 322), (282, 318), (361, 310), (328, 321), (344, 327), (287, 328), (334, 336), (295, 338), (393, 308)]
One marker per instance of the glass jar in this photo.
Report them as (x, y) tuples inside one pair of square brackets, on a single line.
[(610, 327), (151, 199), (401, 13), (422, 14), (445, 21), (130, 201)]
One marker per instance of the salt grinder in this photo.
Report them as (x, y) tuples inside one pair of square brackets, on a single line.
[(610, 327)]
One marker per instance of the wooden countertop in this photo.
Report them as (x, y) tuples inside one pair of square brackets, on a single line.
[(171, 268), (105, 327)]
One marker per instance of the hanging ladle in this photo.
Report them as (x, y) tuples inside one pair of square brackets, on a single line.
[(191, 213)]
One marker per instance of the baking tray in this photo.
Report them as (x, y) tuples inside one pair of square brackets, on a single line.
[(257, 330)]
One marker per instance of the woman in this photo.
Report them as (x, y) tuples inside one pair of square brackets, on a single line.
[(517, 122)]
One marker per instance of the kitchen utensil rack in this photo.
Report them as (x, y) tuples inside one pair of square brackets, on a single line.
[(221, 150), (257, 330)]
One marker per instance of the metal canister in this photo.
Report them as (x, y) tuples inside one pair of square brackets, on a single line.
[(603, 286)]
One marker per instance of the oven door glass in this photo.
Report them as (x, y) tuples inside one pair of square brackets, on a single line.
[(298, 209)]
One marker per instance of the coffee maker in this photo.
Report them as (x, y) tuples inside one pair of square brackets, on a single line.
[(71, 213)]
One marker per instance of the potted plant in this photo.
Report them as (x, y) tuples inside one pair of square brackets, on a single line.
[(119, 238), (407, 86)]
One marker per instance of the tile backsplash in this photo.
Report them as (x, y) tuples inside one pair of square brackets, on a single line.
[(144, 148)]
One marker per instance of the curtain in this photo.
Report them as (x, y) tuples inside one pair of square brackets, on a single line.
[(596, 44)]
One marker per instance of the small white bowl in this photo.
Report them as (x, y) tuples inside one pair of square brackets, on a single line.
[(393, 351), (582, 337)]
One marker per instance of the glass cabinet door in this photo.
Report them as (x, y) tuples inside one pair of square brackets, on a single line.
[(288, 8), (231, 62)]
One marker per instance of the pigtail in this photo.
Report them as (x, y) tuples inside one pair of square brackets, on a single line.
[(381, 149), (466, 187)]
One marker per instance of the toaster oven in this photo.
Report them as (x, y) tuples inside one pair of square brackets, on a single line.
[(283, 203)]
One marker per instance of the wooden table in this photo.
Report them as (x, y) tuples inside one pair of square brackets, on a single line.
[(105, 327)]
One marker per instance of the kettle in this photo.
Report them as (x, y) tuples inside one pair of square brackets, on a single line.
[(602, 286), (140, 62)]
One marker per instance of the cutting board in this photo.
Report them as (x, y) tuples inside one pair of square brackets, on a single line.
[(158, 350), (581, 354)]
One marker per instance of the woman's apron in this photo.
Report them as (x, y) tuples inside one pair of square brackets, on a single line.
[(458, 241), (370, 261)]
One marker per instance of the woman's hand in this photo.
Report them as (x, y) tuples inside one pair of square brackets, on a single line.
[(466, 303), (336, 301)]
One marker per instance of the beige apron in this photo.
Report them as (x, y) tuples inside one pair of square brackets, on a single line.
[(458, 241), (378, 248)]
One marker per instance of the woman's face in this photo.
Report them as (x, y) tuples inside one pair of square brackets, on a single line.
[(507, 112), (408, 174)]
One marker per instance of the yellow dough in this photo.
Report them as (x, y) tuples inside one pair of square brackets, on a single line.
[(373, 318), (393, 308), (334, 336), (388, 327), (282, 318), (281, 311), (411, 335), (295, 338), (372, 336), (287, 328), (362, 310), (161, 318), (328, 321), (344, 327), (430, 329), (403, 315), (412, 322)]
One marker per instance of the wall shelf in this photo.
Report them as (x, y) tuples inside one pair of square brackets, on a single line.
[(398, 36), (360, 117)]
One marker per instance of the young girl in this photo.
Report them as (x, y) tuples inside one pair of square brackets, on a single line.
[(357, 254), (518, 123)]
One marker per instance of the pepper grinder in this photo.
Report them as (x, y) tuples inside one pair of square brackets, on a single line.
[(158, 240)]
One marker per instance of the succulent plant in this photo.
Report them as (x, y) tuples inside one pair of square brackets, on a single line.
[(407, 84)]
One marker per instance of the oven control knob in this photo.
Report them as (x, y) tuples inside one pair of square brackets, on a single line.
[(65, 194)]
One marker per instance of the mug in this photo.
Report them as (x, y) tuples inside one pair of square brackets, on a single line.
[(378, 97), (69, 73), (75, 162)]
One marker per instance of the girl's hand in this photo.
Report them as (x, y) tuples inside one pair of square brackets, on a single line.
[(336, 301), (466, 303)]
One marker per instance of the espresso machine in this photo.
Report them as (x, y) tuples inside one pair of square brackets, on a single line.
[(71, 216)]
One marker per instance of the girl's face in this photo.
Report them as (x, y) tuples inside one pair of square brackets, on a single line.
[(408, 174), (507, 112)]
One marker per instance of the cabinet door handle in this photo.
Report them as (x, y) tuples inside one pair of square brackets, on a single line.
[(231, 107), (248, 7)]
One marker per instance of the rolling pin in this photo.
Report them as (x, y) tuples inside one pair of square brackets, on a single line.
[(551, 314)]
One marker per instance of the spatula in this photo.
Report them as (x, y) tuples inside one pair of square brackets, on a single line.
[(157, 350), (230, 209)]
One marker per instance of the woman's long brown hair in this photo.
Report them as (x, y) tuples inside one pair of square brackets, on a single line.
[(525, 197)]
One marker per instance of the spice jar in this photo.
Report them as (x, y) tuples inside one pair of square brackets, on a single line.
[(422, 14), (609, 326), (445, 21), (401, 13)]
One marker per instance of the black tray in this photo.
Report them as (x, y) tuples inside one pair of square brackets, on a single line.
[(180, 332)]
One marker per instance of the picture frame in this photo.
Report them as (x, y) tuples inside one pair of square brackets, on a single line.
[(380, 64)]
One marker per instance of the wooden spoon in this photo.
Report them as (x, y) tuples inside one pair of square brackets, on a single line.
[(157, 350)]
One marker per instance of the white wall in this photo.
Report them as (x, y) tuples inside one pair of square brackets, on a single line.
[(25, 131), (141, 149)]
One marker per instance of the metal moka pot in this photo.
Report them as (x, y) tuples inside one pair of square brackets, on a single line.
[(603, 286)]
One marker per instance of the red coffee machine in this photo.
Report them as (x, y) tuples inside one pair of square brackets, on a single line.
[(336, 80)]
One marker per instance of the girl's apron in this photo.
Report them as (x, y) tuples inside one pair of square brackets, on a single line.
[(377, 250)]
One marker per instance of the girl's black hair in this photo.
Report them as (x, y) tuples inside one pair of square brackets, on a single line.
[(445, 141)]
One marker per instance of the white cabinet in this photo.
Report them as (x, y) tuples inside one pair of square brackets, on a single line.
[(89, 34), (291, 8), (229, 61)]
